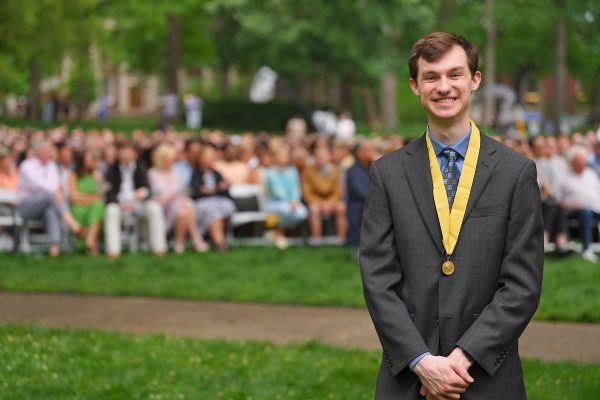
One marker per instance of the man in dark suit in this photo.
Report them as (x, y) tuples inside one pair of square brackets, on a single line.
[(451, 247), (357, 183), (129, 195)]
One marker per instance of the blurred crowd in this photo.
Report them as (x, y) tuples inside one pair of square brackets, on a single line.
[(568, 169), (97, 182)]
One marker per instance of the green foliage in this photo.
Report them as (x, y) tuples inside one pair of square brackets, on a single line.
[(45, 363), (337, 40), (82, 79), (139, 32)]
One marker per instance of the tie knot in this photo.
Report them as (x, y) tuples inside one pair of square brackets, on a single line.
[(449, 153)]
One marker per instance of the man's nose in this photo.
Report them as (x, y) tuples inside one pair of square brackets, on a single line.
[(444, 85)]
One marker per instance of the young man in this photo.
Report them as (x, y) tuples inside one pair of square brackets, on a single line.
[(451, 247)]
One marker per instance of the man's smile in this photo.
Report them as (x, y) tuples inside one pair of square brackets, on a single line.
[(446, 100)]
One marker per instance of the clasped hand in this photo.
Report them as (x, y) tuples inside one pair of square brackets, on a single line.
[(444, 377)]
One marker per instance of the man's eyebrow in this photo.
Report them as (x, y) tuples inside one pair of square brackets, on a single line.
[(457, 68)]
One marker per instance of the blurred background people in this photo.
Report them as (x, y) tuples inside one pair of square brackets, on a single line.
[(189, 160), (295, 129), (283, 194), (357, 183), (211, 194), (232, 168), (555, 219), (193, 111), (129, 194), (86, 191), (322, 191), (40, 195), (8, 172), (346, 128), (579, 194), (168, 190)]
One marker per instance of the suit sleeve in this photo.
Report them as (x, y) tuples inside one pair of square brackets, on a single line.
[(381, 276), (504, 319), (113, 191)]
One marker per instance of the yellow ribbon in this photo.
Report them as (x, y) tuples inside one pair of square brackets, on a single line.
[(451, 221)]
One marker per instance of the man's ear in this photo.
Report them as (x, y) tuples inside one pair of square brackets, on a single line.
[(475, 81), (414, 87)]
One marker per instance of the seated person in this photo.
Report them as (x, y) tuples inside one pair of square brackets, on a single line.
[(357, 183), (85, 191), (40, 195), (554, 216), (189, 158), (129, 193), (579, 194), (231, 168), (283, 194), (210, 191), (322, 191), (8, 172), (168, 190), (8, 182)]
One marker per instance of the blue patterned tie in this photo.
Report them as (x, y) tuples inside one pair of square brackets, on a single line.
[(451, 174)]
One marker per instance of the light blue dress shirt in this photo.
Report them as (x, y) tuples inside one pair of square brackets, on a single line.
[(460, 147), (438, 147)]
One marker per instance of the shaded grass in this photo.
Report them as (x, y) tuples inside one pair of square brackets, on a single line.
[(324, 276), (300, 275), (45, 363)]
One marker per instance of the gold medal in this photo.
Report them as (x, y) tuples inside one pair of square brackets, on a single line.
[(451, 219), (448, 267)]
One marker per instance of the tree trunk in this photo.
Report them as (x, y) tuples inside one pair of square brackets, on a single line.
[(490, 64), (445, 14), (345, 94), (319, 92), (173, 53), (561, 61), (389, 106), (35, 77), (224, 81), (81, 102), (373, 118), (594, 117)]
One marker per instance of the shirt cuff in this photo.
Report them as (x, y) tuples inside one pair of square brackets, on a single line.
[(417, 359)]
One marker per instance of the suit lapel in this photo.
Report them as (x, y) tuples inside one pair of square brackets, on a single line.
[(486, 163), (419, 178)]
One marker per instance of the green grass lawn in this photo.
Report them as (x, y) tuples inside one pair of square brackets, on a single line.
[(44, 363), (300, 275)]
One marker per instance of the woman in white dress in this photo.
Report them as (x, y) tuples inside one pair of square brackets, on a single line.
[(168, 190)]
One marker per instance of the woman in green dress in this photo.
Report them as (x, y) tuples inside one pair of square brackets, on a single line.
[(85, 190)]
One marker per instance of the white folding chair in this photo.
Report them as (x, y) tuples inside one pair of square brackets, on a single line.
[(10, 218), (249, 200)]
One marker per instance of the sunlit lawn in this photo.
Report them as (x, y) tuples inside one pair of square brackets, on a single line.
[(43, 363)]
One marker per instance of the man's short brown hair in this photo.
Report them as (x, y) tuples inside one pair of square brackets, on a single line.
[(433, 46)]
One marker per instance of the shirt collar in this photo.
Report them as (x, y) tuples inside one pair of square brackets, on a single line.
[(460, 147), (127, 168)]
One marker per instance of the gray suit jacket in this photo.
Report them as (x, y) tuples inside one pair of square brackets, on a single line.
[(486, 304)]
